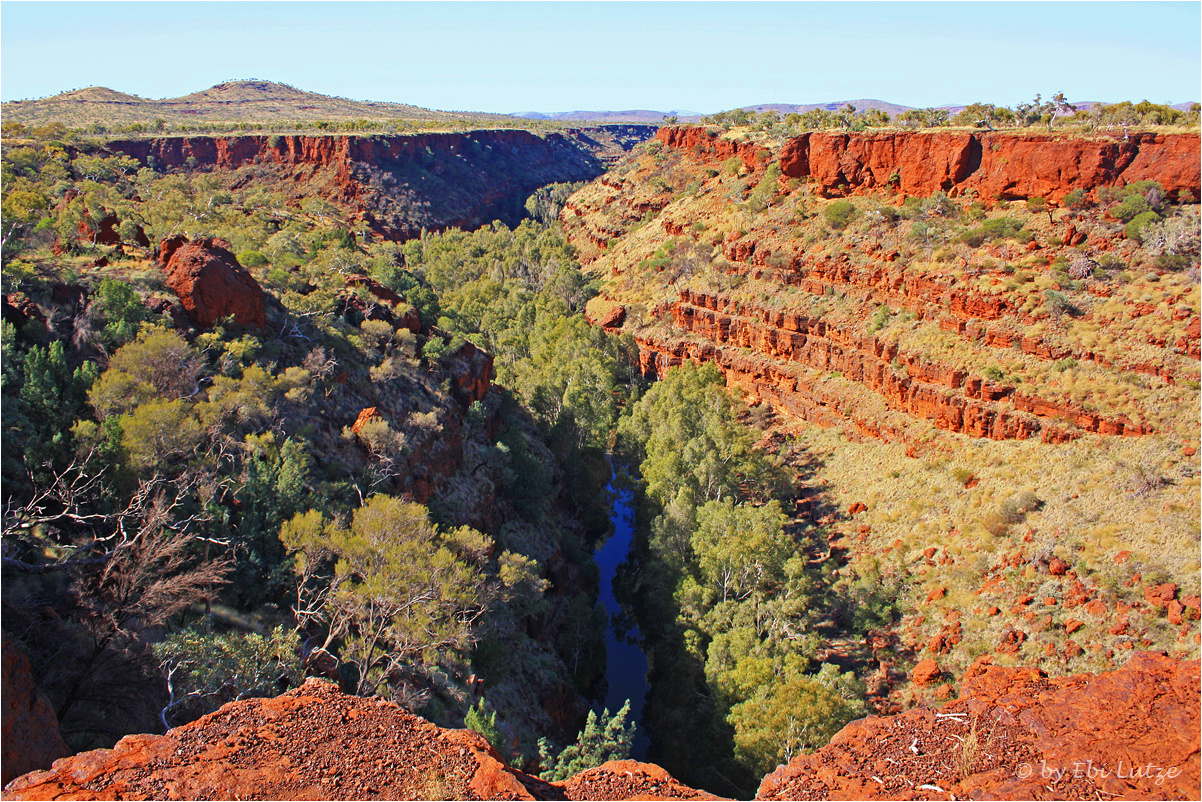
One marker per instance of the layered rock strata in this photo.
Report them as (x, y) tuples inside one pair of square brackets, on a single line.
[(952, 399)]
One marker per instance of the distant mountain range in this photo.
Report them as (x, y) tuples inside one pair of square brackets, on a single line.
[(648, 116), (629, 116), (271, 102)]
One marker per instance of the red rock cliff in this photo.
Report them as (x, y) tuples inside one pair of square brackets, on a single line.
[(995, 165), (400, 184)]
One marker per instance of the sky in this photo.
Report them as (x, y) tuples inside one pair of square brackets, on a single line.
[(562, 56)]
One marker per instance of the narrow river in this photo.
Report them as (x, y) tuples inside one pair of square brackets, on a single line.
[(626, 665)]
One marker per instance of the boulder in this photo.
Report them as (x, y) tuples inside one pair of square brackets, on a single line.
[(210, 283), (926, 672)]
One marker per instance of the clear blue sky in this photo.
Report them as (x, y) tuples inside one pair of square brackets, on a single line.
[(560, 56)]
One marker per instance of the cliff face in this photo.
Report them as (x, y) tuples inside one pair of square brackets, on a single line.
[(398, 185), (994, 165), (1013, 734)]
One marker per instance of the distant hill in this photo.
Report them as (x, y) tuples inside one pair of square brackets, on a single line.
[(629, 116), (861, 105), (231, 102)]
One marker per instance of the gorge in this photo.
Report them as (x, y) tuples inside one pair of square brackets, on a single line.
[(961, 421)]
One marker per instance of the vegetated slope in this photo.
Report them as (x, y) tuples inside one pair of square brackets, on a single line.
[(396, 186), (1013, 734), (293, 367), (979, 353), (745, 261), (231, 102)]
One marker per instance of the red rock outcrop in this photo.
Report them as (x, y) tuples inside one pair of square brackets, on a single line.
[(1017, 734), (366, 416), (387, 305), (19, 311), (996, 165), (474, 372), (210, 283), (1014, 733), (317, 743), (99, 232), (628, 779), (31, 739)]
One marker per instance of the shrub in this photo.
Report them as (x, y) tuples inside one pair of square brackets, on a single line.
[(1059, 304), (1172, 261), (1082, 267), (997, 228), (251, 259), (1010, 512), (839, 213), (208, 670), (1130, 207), (1135, 228), (1077, 199)]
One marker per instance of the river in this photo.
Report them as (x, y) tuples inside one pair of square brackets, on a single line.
[(625, 663)]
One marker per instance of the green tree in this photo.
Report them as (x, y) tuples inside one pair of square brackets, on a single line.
[(51, 398), (121, 310), (741, 549), (206, 670), (602, 739), (391, 590), (793, 717), (159, 366)]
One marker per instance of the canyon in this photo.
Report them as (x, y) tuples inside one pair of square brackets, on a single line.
[(966, 350)]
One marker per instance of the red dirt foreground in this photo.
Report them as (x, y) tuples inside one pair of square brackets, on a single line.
[(1014, 734), (1017, 734), (317, 743)]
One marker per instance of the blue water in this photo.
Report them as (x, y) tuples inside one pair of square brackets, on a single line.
[(625, 663)]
